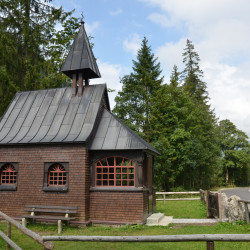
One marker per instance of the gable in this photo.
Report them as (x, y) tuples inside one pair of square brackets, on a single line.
[(52, 116), (112, 134)]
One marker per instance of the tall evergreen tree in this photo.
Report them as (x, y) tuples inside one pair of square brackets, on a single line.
[(134, 102), (27, 35), (204, 121), (192, 74)]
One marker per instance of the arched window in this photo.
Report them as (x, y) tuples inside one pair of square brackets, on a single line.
[(8, 175), (57, 175), (115, 171)]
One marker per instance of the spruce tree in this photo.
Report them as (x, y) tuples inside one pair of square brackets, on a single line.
[(28, 51), (134, 102), (192, 74), (203, 122)]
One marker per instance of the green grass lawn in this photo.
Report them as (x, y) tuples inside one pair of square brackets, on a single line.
[(182, 209), (171, 209)]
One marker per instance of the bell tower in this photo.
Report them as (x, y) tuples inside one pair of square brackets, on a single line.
[(80, 64)]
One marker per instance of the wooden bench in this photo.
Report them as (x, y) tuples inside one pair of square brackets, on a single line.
[(49, 213)]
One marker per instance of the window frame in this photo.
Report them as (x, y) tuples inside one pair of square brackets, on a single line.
[(55, 188), (115, 167), (8, 187)]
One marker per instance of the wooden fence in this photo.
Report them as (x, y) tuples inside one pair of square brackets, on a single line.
[(209, 238), (246, 209), (164, 194), (9, 243)]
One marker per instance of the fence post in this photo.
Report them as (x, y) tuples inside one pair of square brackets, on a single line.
[(207, 203), (210, 245), (246, 212), (220, 206), (164, 199), (8, 234)]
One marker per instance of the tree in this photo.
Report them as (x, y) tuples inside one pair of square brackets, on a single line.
[(183, 134), (204, 119), (192, 74), (235, 152), (134, 102), (28, 59)]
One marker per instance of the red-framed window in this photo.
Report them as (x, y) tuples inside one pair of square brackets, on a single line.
[(115, 171), (57, 176), (8, 175)]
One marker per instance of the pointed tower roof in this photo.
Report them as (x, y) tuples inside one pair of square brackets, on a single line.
[(81, 58)]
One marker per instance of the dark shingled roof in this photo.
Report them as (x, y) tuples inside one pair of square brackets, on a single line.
[(81, 58), (51, 116), (112, 134)]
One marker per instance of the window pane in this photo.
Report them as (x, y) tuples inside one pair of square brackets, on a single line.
[(99, 176), (111, 183), (111, 161), (119, 161), (99, 183), (104, 162), (118, 183), (124, 183), (111, 170), (124, 170), (111, 176), (105, 183), (118, 176), (99, 170), (124, 176), (105, 176)]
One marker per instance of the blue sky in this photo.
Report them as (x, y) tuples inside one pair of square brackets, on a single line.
[(219, 29)]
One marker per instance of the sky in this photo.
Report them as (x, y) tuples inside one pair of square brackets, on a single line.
[(219, 30)]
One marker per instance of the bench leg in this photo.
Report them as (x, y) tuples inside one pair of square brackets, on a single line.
[(59, 223), (24, 222)]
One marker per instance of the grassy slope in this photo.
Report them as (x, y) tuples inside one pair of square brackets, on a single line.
[(186, 209)]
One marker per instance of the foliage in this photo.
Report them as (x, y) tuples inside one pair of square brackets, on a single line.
[(31, 47), (184, 134), (134, 102), (235, 153), (192, 74)]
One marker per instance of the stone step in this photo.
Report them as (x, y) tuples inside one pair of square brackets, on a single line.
[(154, 219)]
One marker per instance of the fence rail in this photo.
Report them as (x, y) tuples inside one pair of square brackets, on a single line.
[(47, 245), (209, 238), (176, 193)]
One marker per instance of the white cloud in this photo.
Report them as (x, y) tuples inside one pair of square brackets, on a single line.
[(116, 12), (90, 28), (170, 54), (220, 31), (160, 19), (111, 76), (132, 43)]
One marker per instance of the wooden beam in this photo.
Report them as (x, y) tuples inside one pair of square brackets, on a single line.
[(80, 84), (9, 241), (74, 85), (33, 235), (153, 238)]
